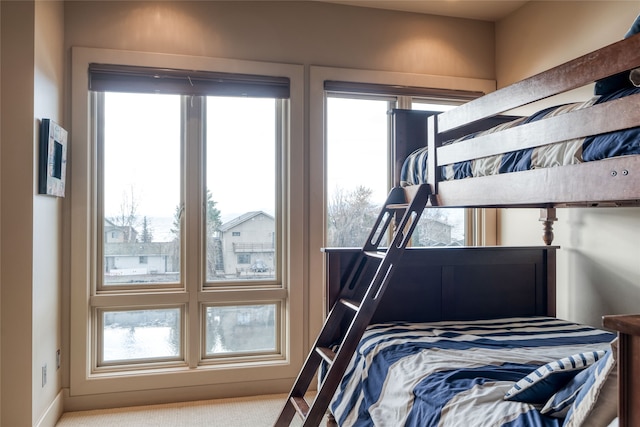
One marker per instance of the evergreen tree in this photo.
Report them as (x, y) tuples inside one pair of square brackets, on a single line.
[(147, 231)]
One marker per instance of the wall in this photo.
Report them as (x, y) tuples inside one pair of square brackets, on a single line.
[(17, 207), (47, 218), (599, 268), (289, 32), (32, 83)]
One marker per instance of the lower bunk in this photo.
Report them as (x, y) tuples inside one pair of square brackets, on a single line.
[(469, 337), (531, 371)]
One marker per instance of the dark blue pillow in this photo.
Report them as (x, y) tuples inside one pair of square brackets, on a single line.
[(558, 405), (621, 80), (541, 384)]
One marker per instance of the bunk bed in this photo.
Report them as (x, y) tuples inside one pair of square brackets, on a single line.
[(519, 364)]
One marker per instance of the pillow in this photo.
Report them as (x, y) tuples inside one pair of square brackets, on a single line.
[(596, 404), (541, 384), (621, 80), (558, 405)]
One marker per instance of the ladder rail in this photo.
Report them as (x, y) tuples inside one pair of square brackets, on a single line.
[(361, 313)]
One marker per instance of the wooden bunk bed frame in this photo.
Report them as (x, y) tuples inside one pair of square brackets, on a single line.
[(432, 284), (609, 183)]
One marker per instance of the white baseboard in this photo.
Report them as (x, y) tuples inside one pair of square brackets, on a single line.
[(53, 413)]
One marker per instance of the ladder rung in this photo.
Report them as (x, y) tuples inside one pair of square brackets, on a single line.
[(375, 254), (397, 206), (355, 306), (301, 406), (327, 354)]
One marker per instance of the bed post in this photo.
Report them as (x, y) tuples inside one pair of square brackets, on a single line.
[(548, 217), (432, 169)]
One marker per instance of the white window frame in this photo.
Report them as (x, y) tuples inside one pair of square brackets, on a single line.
[(317, 168), (223, 379)]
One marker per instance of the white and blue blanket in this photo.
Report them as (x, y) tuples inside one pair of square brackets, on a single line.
[(579, 150), (454, 373)]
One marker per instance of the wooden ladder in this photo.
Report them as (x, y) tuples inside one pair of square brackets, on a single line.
[(358, 302)]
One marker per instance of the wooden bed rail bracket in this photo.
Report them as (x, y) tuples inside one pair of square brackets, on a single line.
[(548, 217)]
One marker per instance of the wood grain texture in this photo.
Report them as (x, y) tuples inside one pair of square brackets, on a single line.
[(628, 327)]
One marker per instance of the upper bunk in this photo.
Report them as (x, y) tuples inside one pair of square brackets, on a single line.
[(591, 148)]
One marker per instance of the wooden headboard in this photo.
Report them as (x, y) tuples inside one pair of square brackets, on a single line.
[(458, 283)]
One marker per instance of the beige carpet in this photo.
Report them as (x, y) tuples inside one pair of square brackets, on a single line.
[(237, 412)]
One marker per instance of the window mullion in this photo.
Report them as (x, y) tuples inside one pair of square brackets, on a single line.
[(193, 108)]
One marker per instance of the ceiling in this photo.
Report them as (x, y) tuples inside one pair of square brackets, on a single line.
[(471, 9)]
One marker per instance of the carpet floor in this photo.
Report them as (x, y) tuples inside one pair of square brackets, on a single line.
[(259, 411)]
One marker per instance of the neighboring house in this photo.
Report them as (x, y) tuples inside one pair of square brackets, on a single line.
[(139, 258), (125, 256), (247, 244), (434, 232), (118, 233)]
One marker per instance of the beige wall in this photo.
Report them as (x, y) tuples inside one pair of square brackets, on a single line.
[(47, 218), (599, 260), (32, 86), (301, 32), (17, 208)]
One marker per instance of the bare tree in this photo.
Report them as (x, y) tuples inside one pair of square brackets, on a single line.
[(351, 214), (127, 216)]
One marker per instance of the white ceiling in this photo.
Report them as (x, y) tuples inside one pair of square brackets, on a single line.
[(472, 9)]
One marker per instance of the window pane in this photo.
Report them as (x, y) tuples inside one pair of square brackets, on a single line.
[(141, 198), (241, 189), (357, 165), (140, 334), (241, 329), (439, 226)]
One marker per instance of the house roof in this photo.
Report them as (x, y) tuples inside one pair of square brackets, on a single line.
[(241, 219)]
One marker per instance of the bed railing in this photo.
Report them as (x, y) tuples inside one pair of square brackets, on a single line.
[(610, 182)]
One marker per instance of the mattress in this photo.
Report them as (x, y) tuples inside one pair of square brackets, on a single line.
[(576, 151), (455, 373)]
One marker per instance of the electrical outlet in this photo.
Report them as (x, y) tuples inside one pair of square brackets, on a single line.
[(44, 375), (58, 359)]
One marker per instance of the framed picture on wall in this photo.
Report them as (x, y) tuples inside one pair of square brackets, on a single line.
[(53, 158)]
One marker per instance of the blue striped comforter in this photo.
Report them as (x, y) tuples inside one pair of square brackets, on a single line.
[(454, 373), (613, 144)]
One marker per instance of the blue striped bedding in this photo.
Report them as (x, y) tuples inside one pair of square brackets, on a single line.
[(454, 373), (613, 144)]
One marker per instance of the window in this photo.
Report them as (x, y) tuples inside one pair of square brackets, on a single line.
[(358, 171), (141, 171), (140, 335), (357, 166), (186, 215)]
